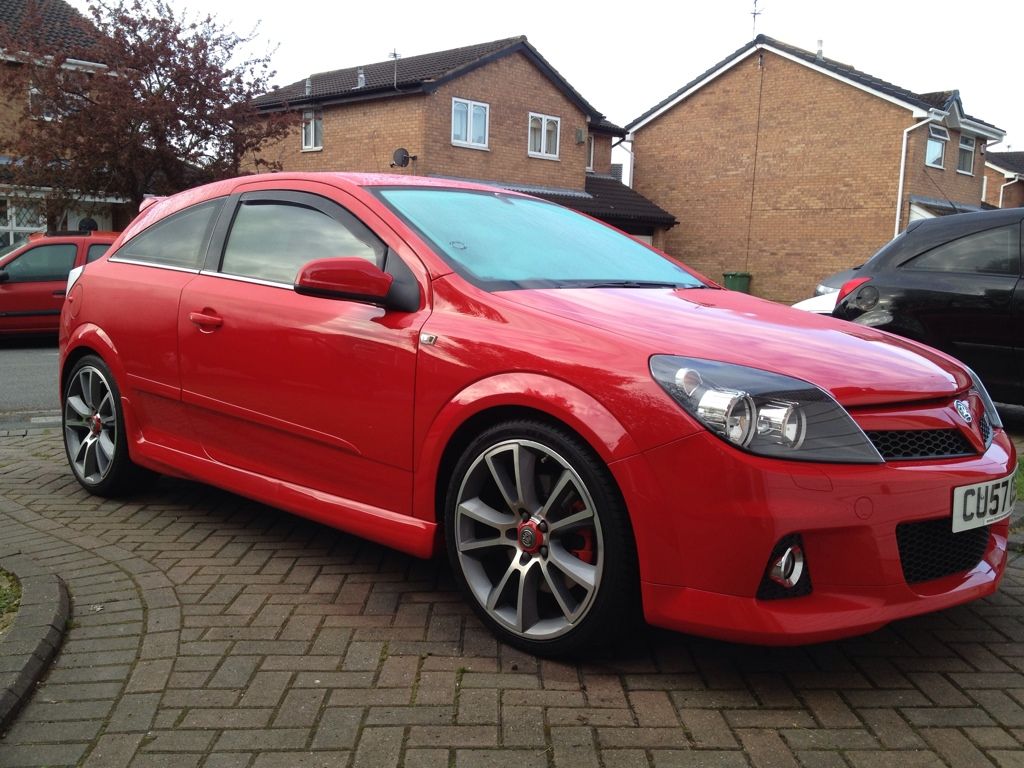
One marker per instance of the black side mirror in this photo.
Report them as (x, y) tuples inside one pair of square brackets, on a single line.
[(4, 276)]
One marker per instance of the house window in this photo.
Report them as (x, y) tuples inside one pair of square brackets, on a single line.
[(935, 153), (312, 130), (39, 107), (469, 123), (543, 136), (965, 161), (590, 153)]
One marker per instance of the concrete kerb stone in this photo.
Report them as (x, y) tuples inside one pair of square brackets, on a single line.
[(38, 630)]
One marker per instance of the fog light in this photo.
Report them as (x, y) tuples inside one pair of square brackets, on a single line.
[(788, 569), (786, 573)]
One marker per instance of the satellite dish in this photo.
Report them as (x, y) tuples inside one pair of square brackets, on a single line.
[(401, 158)]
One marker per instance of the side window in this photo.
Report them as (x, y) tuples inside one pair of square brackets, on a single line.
[(45, 262), (995, 251), (95, 251), (272, 239), (177, 241)]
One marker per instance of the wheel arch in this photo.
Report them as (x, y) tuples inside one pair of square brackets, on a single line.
[(504, 398)]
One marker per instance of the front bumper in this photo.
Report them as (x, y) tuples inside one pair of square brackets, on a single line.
[(706, 517)]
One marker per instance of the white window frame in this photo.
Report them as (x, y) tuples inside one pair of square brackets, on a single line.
[(544, 154), (590, 151), (310, 118), (468, 143), (940, 136), (968, 143)]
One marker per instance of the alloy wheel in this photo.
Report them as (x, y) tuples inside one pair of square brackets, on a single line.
[(529, 539), (90, 425)]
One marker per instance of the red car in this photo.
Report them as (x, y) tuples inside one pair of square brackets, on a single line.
[(33, 277), (586, 426)]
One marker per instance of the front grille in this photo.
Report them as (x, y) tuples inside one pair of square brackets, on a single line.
[(906, 444), (985, 427), (930, 549)]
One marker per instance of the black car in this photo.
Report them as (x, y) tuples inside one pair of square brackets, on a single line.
[(953, 283)]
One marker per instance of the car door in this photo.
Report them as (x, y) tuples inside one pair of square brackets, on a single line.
[(32, 294), (315, 392), (958, 297)]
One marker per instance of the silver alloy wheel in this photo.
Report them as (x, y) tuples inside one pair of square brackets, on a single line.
[(529, 539), (90, 425)]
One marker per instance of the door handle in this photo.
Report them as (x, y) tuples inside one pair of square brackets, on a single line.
[(60, 294), (206, 322)]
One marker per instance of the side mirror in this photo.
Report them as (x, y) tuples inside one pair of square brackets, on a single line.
[(4, 276), (349, 278)]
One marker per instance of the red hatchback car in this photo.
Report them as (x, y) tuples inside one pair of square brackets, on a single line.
[(584, 425), (33, 278)]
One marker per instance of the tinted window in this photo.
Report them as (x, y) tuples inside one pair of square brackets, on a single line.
[(177, 241), (96, 250), (505, 241), (45, 262), (272, 240), (995, 251)]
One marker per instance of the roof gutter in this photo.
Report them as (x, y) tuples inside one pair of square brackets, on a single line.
[(933, 116)]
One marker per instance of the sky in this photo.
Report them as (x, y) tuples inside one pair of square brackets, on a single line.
[(626, 57)]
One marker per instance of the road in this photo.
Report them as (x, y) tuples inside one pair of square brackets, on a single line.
[(28, 382)]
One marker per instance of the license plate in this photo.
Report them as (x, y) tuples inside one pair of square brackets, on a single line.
[(983, 503)]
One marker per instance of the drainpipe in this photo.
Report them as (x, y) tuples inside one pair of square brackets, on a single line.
[(933, 115), (1014, 180)]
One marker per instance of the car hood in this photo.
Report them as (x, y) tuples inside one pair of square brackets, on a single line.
[(857, 365)]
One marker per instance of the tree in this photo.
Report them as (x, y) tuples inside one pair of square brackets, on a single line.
[(170, 108)]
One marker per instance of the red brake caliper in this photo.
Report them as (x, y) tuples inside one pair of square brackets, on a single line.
[(585, 551)]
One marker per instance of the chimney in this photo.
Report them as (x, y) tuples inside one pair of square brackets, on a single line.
[(360, 78), (309, 86), (819, 57)]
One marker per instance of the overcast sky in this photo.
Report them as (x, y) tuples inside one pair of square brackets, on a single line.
[(625, 57)]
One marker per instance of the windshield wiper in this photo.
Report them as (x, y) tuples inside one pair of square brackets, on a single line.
[(630, 284)]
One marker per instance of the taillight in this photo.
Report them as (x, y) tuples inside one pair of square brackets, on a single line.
[(850, 286)]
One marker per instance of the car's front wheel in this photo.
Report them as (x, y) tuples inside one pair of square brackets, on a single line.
[(539, 539), (94, 435)]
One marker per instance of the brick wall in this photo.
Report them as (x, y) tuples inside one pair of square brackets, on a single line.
[(775, 169), (602, 153), (357, 137)]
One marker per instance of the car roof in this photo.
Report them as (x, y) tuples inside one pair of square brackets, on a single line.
[(924, 234)]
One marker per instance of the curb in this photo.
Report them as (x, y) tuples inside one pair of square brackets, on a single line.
[(38, 630)]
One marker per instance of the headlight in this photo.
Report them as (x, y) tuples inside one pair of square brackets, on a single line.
[(821, 288), (764, 413), (990, 407)]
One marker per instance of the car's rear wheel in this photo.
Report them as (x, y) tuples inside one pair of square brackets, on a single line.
[(539, 539), (94, 435)]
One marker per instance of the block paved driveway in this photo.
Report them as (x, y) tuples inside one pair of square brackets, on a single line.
[(211, 631)]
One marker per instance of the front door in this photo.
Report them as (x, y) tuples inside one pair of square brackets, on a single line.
[(32, 295), (312, 391)]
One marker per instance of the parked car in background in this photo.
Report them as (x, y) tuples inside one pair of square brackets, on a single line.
[(584, 425), (33, 277), (821, 304), (835, 281), (953, 283)]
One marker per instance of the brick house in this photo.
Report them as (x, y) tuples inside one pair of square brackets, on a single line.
[(495, 112), (1004, 179), (63, 29), (783, 163)]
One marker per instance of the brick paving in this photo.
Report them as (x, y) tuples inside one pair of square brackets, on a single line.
[(208, 630)]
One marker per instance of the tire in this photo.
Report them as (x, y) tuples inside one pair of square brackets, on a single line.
[(547, 561), (95, 442)]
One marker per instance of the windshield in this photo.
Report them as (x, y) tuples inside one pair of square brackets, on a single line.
[(499, 242)]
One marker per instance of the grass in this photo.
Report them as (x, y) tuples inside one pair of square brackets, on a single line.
[(1020, 478), (10, 597)]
